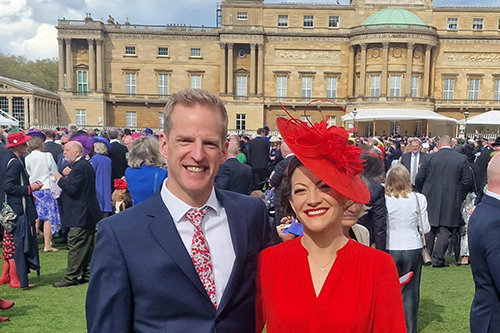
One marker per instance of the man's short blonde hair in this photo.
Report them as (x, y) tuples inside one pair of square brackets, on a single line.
[(191, 97)]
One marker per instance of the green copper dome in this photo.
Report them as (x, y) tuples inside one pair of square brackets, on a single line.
[(393, 16)]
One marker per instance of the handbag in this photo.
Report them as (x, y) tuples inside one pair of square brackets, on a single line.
[(7, 215), (55, 190), (426, 257)]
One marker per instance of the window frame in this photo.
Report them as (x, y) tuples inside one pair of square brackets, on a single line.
[(310, 20), (330, 17), (78, 117), (194, 76), (281, 86), (474, 89), (241, 89), (306, 91), (241, 121), (130, 87), (131, 121), (191, 52), (447, 92), (375, 85), (477, 26), (163, 55), (161, 120), (129, 49), (496, 90), (166, 79), (283, 17), (242, 17), (395, 90), (332, 82), (414, 86), (448, 23), (82, 86)]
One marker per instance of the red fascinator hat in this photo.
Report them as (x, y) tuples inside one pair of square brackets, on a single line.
[(326, 153), (120, 184)]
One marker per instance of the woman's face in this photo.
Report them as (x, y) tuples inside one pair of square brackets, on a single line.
[(315, 204), (351, 213)]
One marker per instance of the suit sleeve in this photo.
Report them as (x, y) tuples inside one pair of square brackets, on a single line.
[(266, 228), (72, 185), (11, 179), (421, 175), (222, 178), (466, 178), (388, 304), (379, 218), (109, 297)]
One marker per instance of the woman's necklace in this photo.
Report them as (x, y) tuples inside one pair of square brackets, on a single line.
[(323, 268)]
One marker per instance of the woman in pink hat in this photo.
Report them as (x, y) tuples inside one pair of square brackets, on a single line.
[(20, 248), (323, 281)]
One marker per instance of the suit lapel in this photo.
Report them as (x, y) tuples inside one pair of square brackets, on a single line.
[(238, 227), (164, 231)]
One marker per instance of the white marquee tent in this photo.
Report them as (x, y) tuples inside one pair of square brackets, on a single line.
[(487, 118), (6, 119)]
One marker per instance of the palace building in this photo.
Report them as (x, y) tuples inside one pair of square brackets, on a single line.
[(397, 66)]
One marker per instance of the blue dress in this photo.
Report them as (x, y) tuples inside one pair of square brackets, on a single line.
[(143, 183), (102, 168)]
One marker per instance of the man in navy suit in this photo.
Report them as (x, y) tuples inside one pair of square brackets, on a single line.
[(146, 274), (234, 175), (414, 159), (484, 233)]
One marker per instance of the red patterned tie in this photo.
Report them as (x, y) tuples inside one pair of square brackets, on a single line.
[(200, 253)]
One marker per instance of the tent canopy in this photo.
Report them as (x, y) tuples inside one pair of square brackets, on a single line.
[(487, 118), (6, 121), (365, 115)]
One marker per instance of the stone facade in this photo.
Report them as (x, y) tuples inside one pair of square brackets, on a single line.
[(264, 54)]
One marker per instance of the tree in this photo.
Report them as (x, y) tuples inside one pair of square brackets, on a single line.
[(42, 73)]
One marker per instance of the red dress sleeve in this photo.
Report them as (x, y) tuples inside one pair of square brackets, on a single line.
[(389, 312), (260, 318)]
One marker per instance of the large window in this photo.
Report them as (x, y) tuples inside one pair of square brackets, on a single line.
[(449, 89), (474, 89), (308, 21), (375, 86), (131, 120), (333, 21), (242, 16), (163, 84), (452, 23), (281, 86), (414, 86), (477, 24), (130, 84), (196, 81), (241, 121), (130, 50), (332, 121), (4, 104), (18, 110), (241, 86), (395, 86), (497, 90), (161, 119), (306, 87), (82, 82), (331, 87), (81, 117), (282, 21)]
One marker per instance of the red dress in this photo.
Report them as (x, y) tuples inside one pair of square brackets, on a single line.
[(361, 293)]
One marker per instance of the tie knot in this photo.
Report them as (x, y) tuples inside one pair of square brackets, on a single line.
[(195, 216)]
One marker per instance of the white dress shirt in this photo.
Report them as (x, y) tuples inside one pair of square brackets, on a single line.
[(216, 229), (413, 173), (403, 223)]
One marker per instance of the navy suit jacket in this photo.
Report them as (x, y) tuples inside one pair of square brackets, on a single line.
[(484, 233), (406, 160), (143, 279), (234, 176)]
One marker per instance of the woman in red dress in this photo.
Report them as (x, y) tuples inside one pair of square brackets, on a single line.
[(322, 281)]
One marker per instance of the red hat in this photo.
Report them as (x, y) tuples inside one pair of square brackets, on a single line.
[(325, 152), (16, 139), (120, 184)]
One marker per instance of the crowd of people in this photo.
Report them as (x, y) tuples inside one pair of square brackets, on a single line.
[(179, 243)]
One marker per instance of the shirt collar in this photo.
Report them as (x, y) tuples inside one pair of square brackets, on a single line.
[(114, 140), (179, 208), (291, 154), (446, 147), (493, 194)]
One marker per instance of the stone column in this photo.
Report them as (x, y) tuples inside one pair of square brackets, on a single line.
[(362, 74), (427, 70), (260, 69), (31, 110), (9, 105), (26, 112), (61, 63), (223, 69), (91, 65), (252, 69), (230, 68), (351, 75), (409, 67), (385, 66), (100, 65), (69, 66)]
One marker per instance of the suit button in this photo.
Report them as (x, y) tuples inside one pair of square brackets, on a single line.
[(218, 320)]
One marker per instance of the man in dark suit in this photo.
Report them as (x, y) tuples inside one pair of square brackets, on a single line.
[(485, 157), (80, 213), (484, 233), (152, 269), (259, 158), (444, 179), (414, 159), (52, 147), (233, 175), (275, 181), (118, 156)]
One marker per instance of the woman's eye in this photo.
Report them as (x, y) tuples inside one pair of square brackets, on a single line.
[(298, 191)]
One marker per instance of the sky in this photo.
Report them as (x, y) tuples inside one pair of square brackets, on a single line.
[(27, 27)]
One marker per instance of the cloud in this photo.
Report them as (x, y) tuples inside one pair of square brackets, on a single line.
[(42, 45)]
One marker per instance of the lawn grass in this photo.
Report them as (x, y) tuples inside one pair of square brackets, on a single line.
[(446, 296)]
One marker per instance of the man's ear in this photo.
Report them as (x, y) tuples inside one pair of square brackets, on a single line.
[(163, 142)]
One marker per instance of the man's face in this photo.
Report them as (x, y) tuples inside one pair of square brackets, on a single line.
[(194, 149), (64, 140), (71, 152), (127, 141), (415, 146)]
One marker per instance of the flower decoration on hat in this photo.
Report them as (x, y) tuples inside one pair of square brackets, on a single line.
[(325, 151)]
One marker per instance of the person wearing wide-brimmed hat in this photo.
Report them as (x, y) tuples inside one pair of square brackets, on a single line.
[(20, 248), (332, 283)]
